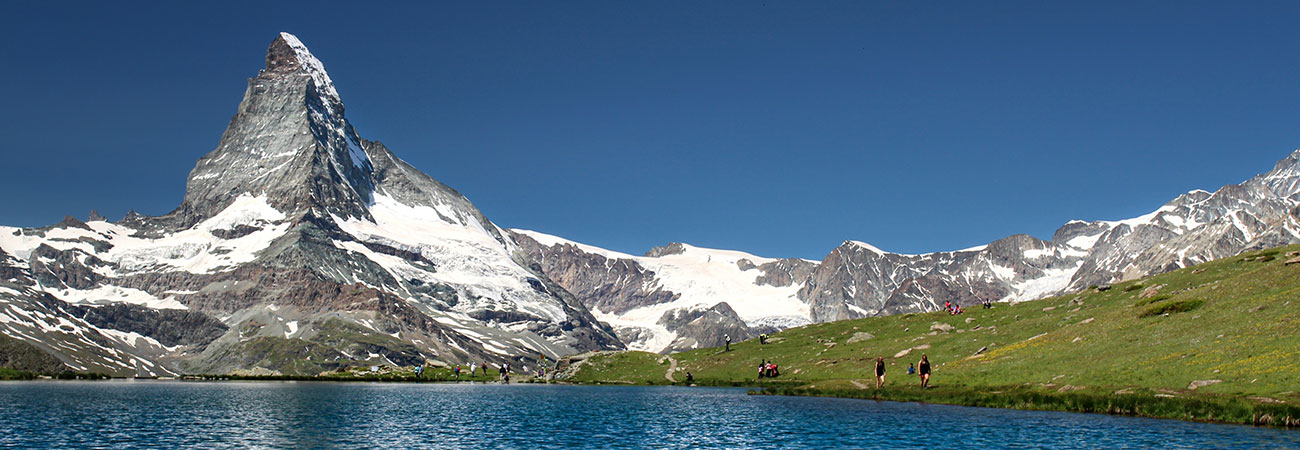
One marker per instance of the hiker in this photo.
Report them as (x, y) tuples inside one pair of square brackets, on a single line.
[(880, 372), (484, 366), (690, 378), (456, 372), (472, 367), (419, 371), (924, 365), (727, 337), (911, 369), (762, 339), (762, 369), (772, 372)]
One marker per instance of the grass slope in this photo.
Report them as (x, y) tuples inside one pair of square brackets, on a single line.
[(1136, 348)]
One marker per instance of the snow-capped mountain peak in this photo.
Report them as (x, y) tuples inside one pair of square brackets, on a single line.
[(288, 54), (294, 233)]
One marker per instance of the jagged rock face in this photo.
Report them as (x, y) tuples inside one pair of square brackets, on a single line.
[(622, 286), (309, 247), (288, 142), (708, 327), (857, 280), (690, 311)]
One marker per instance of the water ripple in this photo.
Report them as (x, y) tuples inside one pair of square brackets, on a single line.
[(121, 415)]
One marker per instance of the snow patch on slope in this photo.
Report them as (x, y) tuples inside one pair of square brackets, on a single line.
[(466, 255)]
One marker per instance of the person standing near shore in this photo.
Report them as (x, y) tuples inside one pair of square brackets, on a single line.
[(880, 372), (924, 367)]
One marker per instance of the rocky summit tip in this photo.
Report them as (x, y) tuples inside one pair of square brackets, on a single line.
[(287, 54)]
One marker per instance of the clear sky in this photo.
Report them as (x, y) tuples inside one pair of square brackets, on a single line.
[(781, 129)]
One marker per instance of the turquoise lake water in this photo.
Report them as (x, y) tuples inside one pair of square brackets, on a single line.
[(162, 414)]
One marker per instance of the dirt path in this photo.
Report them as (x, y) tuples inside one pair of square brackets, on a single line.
[(672, 367)]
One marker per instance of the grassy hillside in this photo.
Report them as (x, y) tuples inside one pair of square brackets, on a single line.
[(1143, 342)]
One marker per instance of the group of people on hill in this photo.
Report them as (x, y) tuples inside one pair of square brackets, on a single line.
[(924, 371), (952, 308), (768, 369)]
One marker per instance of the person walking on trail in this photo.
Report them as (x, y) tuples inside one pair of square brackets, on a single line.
[(924, 365), (880, 372), (727, 338)]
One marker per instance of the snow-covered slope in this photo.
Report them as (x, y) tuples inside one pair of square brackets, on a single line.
[(668, 282)]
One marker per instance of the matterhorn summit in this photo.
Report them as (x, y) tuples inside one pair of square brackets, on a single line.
[(300, 247)]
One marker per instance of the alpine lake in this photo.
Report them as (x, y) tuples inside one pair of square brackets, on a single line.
[(246, 414)]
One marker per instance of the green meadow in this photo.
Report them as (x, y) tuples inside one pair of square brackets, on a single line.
[(1214, 342)]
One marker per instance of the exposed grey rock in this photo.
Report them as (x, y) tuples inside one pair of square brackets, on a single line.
[(859, 337), (675, 248), (708, 328)]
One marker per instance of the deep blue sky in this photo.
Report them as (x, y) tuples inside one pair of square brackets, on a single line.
[(781, 129)]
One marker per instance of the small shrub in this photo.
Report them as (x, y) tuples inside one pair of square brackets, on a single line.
[(1158, 298), (1173, 307), (1134, 287)]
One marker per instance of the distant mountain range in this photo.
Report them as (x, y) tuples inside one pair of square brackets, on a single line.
[(301, 247)]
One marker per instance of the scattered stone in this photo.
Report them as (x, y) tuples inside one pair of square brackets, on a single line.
[(1075, 310), (1166, 396), (981, 350), (1256, 309), (1196, 271), (1201, 383), (976, 328), (970, 319), (1077, 339), (921, 347), (932, 333), (1265, 399), (859, 337), (1088, 320), (1292, 261), (1151, 291), (1068, 388), (1049, 308), (941, 327), (1103, 288), (1124, 391), (903, 353)]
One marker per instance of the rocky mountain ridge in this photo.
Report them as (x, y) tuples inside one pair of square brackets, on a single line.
[(637, 296)]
